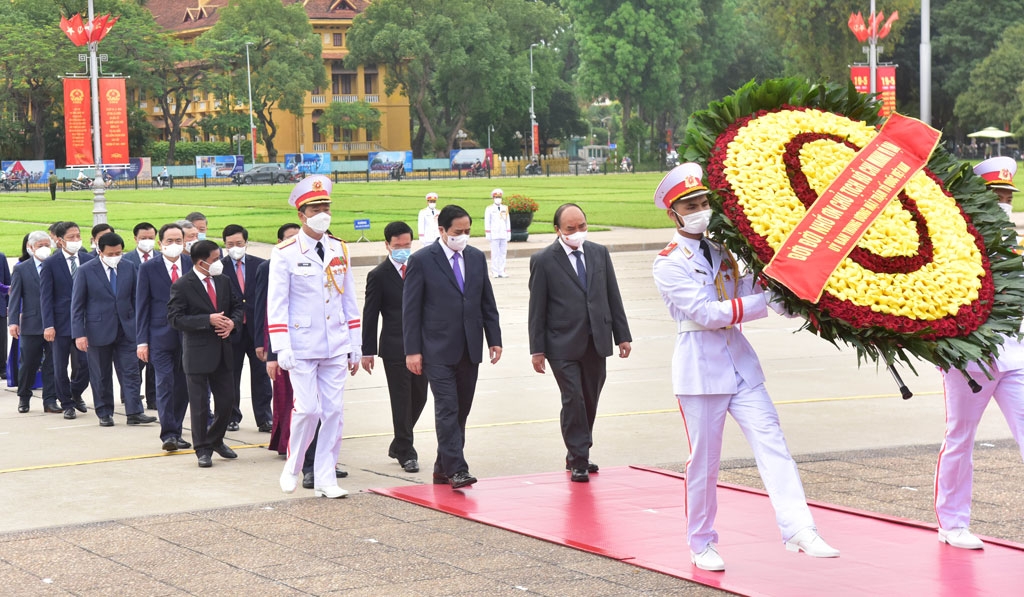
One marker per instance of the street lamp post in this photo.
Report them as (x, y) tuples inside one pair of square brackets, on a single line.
[(99, 198), (490, 129), (607, 129), (460, 135), (533, 115), (252, 127)]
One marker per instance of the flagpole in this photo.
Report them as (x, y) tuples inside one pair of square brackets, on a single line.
[(99, 199), (872, 49)]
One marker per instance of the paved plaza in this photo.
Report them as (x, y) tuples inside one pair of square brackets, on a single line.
[(88, 510)]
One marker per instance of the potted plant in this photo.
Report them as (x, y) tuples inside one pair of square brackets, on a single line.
[(520, 212)]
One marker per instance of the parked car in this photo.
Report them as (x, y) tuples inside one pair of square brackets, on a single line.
[(267, 173)]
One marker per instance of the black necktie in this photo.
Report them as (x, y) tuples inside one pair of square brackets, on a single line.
[(581, 270), (320, 250), (706, 250)]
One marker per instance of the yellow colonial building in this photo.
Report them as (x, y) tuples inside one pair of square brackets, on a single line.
[(331, 20)]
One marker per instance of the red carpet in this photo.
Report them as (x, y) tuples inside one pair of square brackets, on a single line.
[(636, 515)]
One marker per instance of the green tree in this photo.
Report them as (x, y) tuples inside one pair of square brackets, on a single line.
[(284, 57), (349, 116), (631, 50), (451, 58), (993, 97)]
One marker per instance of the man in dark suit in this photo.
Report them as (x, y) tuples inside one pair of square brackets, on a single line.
[(203, 307), (55, 281), (408, 392), (145, 249), (103, 326), (240, 269), (158, 343), (26, 324), (447, 309), (5, 289), (575, 315)]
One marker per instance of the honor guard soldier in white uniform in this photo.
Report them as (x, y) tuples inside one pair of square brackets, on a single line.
[(497, 229), (427, 223), (954, 473), (313, 324), (998, 174), (715, 371)]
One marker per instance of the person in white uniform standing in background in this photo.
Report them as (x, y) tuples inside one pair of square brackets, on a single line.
[(715, 371), (497, 229), (427, 223)]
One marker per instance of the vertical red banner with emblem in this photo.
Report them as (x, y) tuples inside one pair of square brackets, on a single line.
[(861, 77), (113, 121), (885, 84), (536, 139), (77, 122)]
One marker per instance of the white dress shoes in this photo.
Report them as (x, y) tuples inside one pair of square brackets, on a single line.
[(288, 482), (708, 559), (330, 492), (811, 543), (961, 538)]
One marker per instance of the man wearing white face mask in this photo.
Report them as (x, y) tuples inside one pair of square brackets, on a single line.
[(26, 325), (998, 175), (497, 229), (103, 326), (240, 269), (575, 318), (145, 243), (448, 309), (427, 221), (313, 324), (715, 372)]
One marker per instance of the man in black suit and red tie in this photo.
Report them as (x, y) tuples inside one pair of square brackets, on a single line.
[(575, 318), (447, 309), (384, 285), (204, 308)]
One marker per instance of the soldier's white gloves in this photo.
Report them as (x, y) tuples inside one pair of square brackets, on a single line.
[(355, 356), (775, 302), (286, 359)]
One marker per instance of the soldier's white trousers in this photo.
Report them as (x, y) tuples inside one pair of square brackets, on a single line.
[(319, 388), (498, 249), (954, 473), (752, 409)]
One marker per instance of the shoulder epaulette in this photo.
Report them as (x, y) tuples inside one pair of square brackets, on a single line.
[(336, 238), (287, 242), (668, 250)]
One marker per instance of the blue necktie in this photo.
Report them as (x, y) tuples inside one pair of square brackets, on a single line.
[(458, 272), (581, 269), (113, 280)]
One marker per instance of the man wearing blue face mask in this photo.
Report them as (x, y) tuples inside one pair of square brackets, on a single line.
[(198, 220), (384, 286)]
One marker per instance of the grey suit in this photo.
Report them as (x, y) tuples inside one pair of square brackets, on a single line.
[(576, 329), (24, 311)]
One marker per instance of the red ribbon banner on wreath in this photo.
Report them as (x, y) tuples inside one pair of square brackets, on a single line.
[(842, 214)]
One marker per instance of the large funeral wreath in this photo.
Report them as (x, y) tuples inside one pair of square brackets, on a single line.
[(932, 277)]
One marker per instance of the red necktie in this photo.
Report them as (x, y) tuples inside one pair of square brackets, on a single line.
[(145, 257), (241, 276), (211, 292), (174, 273), (403, 271)]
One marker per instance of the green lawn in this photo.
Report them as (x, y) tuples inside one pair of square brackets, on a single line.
[(620, 200)]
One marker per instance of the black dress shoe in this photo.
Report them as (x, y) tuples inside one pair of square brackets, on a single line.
[(307, 480), (52, 408), (140, 419), (411, 466), (69, 413), (224, 451), (205, 460), (232, 426), (339, 473), (265, 427), (170, 445), (106, 421), (462, 479), (23, 407), (591, 466), (182, 444), (80, 405), (580, 475), (440, 479)]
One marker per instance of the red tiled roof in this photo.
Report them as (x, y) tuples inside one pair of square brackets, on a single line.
[(187, 15)]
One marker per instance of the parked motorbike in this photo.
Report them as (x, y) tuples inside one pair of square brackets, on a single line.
[(533, 168)]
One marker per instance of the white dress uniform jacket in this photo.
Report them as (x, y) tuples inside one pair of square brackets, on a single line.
[(710, 345), (497, 225), (311, 305), (427, 225)]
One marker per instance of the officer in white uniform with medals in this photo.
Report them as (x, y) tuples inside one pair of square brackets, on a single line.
[(498, 230), (954, 473), (313, 324), (427, 222), (715, 371)]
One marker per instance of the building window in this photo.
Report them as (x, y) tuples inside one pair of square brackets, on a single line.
[(346, 135), (370, 83), (339, 39), (369, 135), (337, 134)]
